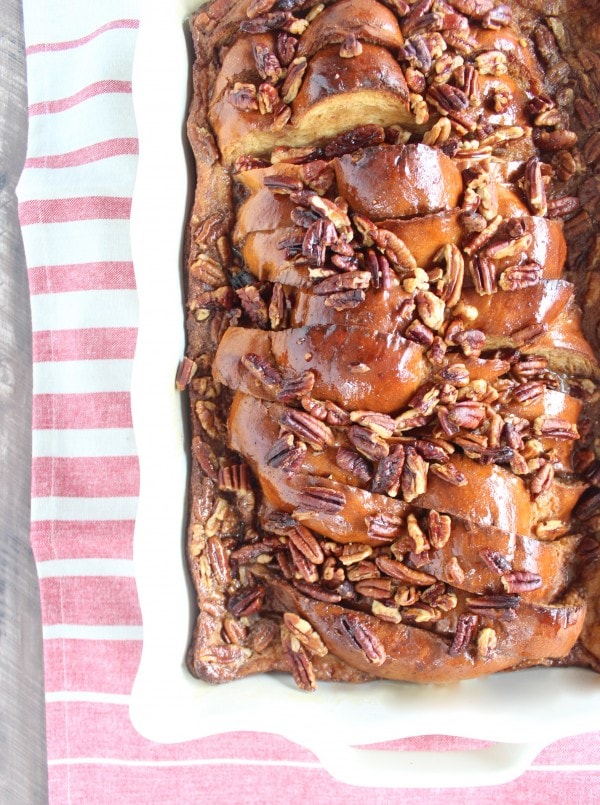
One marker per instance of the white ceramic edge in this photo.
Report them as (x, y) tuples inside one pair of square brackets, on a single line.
[(167, 705)]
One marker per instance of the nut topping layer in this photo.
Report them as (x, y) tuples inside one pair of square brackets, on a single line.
[(388, 375)]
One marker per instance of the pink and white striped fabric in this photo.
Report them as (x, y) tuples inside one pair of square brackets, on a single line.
[(75, 199)]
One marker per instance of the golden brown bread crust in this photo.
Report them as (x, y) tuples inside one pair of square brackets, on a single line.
[(394, 215)]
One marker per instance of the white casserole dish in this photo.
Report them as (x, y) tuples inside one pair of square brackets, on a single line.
[(521, 712)]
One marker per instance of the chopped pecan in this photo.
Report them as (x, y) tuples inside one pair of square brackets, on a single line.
[(416, 535), (185, 372), (205, 457), (492, 62), (354, 553), (497, 17), (218, 560), (495, 561), (588, 504), (351, 280), (534, 187), (431, 309), (419, 333), (450, 286), (563, 207), (270, 21), (258, 7), (557, 140), (542, 480), (235, 478), (394, 248), (243, 97), (296, 387), (350, 47), (267, 63), (208, 271), (302, 566), (487, 641), (414, 475), (447, 98), (449, 473), (254, 305)]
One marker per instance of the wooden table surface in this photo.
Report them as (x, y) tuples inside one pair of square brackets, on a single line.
[(23, 775)]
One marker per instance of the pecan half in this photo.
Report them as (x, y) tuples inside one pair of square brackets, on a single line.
[(321, 499), (262, 369), (465, 627), (439, 528), (484, 602), (555, 427), (364, 638), (296, 387), (400, 571), (305, 541), (353, 462), (381, 424), (306, 427), (300, 665), (293, 79), (247, 601), (521, 581), (304, 632), (368, 443), (379, 526), (389, 472), (349, 141), (286, 454)]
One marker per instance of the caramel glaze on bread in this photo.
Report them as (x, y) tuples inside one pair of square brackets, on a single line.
[(393, 390)]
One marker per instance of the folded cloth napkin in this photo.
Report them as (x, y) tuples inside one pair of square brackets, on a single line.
[(75, 200)]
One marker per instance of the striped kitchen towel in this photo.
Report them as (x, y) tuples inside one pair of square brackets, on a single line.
[(75, 200)]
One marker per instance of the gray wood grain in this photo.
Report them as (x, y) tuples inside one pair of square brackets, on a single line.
[(23, 775)]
